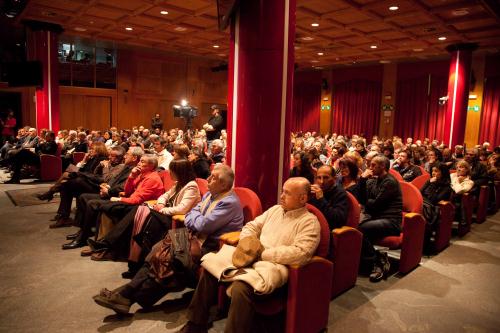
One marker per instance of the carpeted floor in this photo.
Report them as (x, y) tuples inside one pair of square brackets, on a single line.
[(27, 197), (45, 289)]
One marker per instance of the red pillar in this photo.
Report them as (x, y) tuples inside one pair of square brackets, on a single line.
[(260, 95), (458, 92), (42, 40)]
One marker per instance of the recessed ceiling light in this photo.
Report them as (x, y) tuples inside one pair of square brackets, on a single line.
[(18, 44), (164, 12), (216, 46), (180, 29), (385, 61), (320, 53), (442, 38), (393, 8), (314, 24), (129, 28), (91, 22), (418, 50), (373, 46), (80, 29), (307, 38), (460, 12)]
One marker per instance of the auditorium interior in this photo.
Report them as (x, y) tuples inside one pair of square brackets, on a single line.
[(422, 69)]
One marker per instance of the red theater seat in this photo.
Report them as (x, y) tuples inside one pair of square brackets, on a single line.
[(411, 239)]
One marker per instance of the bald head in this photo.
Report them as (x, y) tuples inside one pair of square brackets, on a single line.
[(295, 193)]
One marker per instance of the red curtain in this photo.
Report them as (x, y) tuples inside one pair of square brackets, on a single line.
[(356, 107), (490, 118), (418, 113), (306, 101)]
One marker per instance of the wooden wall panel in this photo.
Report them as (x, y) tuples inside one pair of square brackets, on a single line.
[(152, 83), (92, 112)]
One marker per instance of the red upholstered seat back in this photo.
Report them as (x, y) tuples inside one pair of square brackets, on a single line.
[(420, 181), (396, 175), (412, 198), (59, 149), (167, 181), (324, 241), (250, 203), (354, 211), (78, 156), (202, 185)]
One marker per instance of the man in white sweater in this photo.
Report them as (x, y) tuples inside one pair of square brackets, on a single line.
[(289, 235)]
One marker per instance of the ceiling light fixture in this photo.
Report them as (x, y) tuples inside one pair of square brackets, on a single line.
[(180, 29), (164, 12), (393, 8), (442, 38), (129, 28), (216, 46), (80, 29), (418, 50), (373, 46), (320, 53), (314, 24)]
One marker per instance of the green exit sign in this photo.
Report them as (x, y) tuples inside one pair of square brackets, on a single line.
[(474, 108), (325, 107)]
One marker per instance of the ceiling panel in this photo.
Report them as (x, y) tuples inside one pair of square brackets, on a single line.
[(347, 28)]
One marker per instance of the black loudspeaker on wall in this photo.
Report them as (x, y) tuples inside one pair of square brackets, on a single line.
[(23, 74)]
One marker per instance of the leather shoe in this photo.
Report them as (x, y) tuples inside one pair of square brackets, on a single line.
[(102, 256), (129, 274), (114, 301), (75, 244), (45, 196), (97, 246), (56, 217), (74, 236), (191, 327), (62, 222)]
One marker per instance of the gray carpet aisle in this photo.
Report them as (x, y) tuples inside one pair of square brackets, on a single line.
[(45, 289)]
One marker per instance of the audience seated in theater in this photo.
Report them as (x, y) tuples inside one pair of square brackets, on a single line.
[(288, 235), (94, 163), (32, 158), (181, 151), (302, 167), (382, 214), (29, 140), (164, 157), (329, 197), (348, 176), (216, 152), (458, 154), (143, 184), (479, 173), (448, 159), (106, 191), (430, 160), (460, 183), (200, 163), (179, 199), (437, 188), (13, 143), (493, 167), (405, 168), (219, 212)]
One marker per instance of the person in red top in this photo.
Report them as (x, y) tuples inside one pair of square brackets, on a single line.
[(8, 126), (143, 184)]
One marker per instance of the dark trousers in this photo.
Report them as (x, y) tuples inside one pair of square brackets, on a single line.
[(122, 230), (241, 310), (374, 230), (21, 158), (73, 188), (143, 289)]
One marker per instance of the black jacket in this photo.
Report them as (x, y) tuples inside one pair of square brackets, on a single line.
[(382, 198), (117, 183), (333, 205), (436, 191)]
